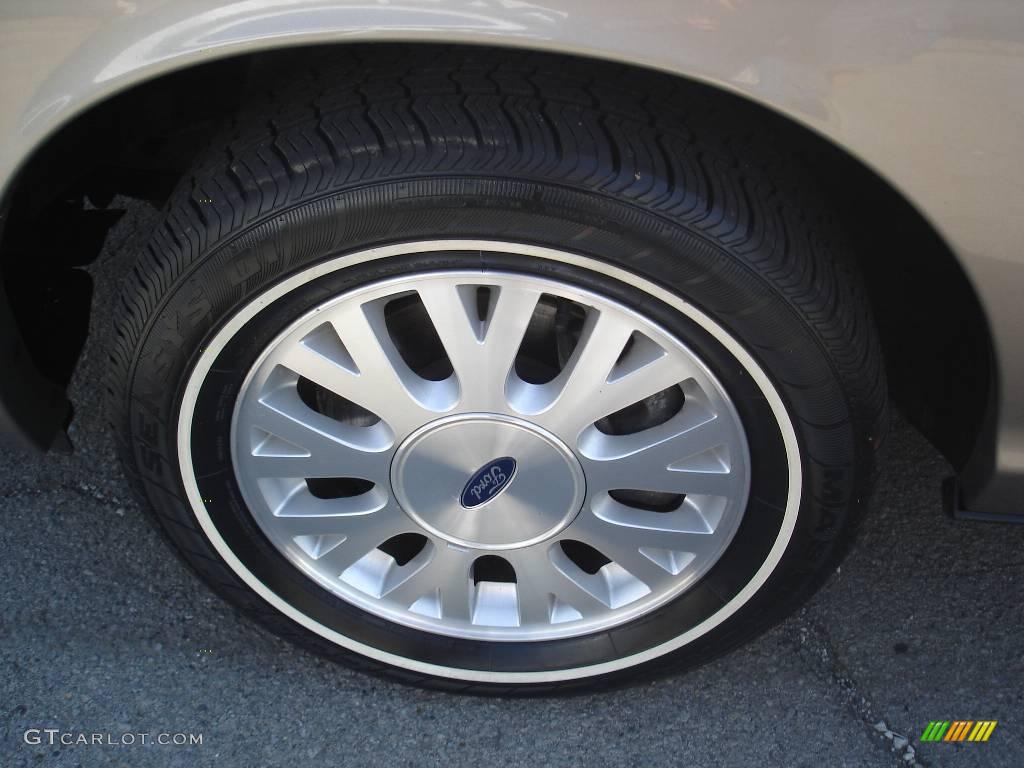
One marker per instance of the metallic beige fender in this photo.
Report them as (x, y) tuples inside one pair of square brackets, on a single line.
[(926, 92)]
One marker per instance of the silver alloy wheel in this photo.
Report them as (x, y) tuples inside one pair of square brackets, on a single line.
[(416, 443)]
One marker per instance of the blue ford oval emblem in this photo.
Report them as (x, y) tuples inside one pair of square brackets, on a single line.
[(488, 481)]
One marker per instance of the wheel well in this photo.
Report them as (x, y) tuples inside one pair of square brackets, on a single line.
[(139, 142)]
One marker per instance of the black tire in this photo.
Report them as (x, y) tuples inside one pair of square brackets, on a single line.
[(467, 144)]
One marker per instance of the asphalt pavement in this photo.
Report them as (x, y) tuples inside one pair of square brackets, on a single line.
[(103, 631)]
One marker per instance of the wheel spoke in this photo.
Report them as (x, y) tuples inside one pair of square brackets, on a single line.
[(322, 525), (363, 533), (624, 535), (329, 373), (323, 442), (533, 598), (298, 503), (511, 312), (588, 389), (382, 382), (601, 342), (534, 584), (611, 396), (482, 352), (688, 456), (547, 580), (377, 394), (445, 583)]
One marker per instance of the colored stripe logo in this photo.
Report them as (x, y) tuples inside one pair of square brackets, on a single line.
[(959, 730)]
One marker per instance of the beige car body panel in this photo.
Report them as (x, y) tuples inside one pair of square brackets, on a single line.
[(929, 93)]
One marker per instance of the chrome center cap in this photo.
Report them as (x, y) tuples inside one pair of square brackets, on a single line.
[(487, 481)]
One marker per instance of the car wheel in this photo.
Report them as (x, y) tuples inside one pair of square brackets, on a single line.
[(501, 390)]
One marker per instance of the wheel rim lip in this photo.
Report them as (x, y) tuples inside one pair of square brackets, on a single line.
[(408, 506), (760, 378)]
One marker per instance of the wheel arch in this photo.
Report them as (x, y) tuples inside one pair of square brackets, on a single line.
[(182, 103)]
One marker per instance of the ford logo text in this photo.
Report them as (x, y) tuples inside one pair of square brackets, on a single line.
[(488, 481)]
